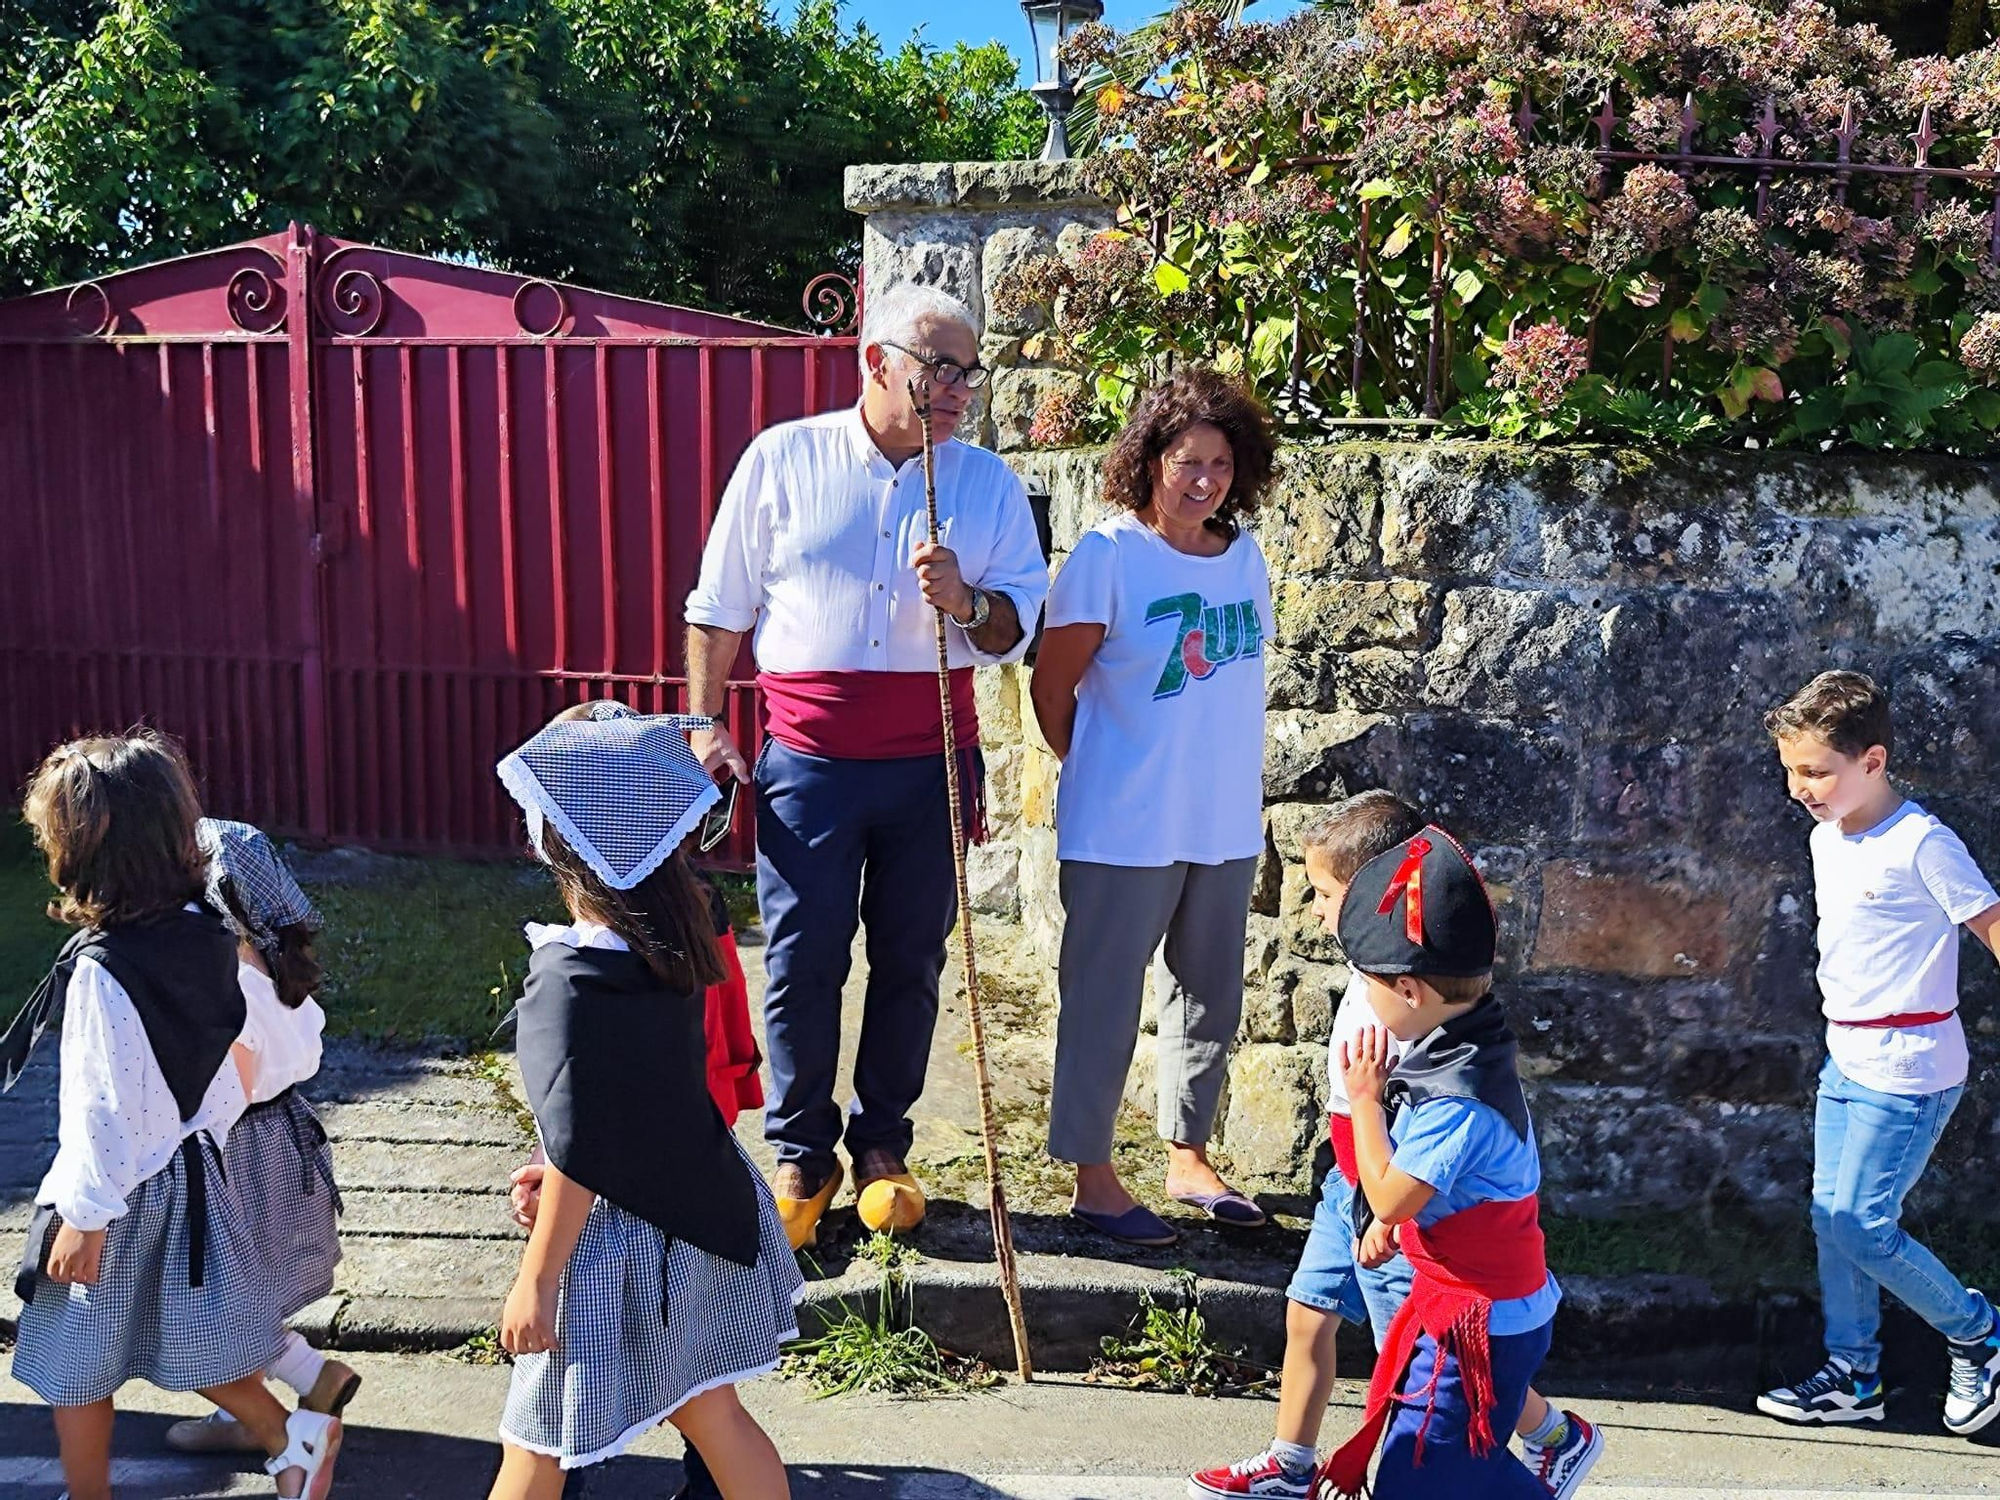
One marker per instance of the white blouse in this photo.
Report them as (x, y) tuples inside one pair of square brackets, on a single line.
[(284, 1041), (117, 1122)]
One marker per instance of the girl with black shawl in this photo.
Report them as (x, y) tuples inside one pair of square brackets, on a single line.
[(657, 1274)]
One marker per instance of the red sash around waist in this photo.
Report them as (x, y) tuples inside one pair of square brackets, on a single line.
[(1908, 1018), (1340, 1131), (1464, 1263), (866, 715)]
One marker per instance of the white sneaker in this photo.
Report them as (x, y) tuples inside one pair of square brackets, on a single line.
[(1972, 1397), (313, 1442)]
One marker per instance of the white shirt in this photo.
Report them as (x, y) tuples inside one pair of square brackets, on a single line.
[(812, 545), (117, 1122), (1166, 761), (285, 1040), (1354, 1016), (1890, 904)]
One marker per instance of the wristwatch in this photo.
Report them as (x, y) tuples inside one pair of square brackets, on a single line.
[(982, 609)]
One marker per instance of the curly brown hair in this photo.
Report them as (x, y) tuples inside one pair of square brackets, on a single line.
[(1192, 395), (115, 817)]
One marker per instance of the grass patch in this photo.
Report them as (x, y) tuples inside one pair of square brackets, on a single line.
[(884, 1352), (425, 949), (28, 939), (1169, 1349)]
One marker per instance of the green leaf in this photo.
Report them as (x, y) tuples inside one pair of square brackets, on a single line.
[(1260, 173), (1169, 278), (1379, 187), (1984, 403), (1468, 373), (1466, 285), (1710, 298), (1938, 372), (1579, 276), (1892, 353), (1686, 325), (1399, 239)]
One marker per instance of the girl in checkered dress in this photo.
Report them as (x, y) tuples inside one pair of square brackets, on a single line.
[(278, 1156), (142, 1261), (657, 1274)]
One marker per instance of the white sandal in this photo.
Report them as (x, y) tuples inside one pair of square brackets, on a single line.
[(313, 1442)]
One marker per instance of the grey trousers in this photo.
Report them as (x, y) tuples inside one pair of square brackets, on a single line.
[(1115, 918)]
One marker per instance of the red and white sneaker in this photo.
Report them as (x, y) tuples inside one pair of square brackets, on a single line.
[(1262, 1475)]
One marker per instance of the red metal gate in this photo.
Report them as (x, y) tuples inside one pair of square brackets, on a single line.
[(352, 522)]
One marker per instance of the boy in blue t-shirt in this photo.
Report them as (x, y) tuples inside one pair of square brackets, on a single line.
[(1449, 1172)]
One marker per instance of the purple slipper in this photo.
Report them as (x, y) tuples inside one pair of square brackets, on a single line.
[(1230, 1208), (1138, 1225)]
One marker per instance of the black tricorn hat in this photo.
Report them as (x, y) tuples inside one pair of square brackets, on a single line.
[(1419, 909)]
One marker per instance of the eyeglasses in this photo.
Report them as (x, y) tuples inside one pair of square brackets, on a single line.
[(947, 372), (714, 827)]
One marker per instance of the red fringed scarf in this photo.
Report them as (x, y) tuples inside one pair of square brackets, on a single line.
[(879, 716), (1464, 1264)]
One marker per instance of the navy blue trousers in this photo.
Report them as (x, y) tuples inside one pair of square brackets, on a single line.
[(841, 842), (1448, 1469)]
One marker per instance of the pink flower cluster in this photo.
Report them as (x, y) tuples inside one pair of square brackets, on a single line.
[(1061, 420), (1542, 363), (1649, 212), (1979, 350)]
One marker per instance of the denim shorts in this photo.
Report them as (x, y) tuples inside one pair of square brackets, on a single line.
[(1327, 1277)]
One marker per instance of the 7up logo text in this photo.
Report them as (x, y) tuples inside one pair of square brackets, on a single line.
[(1206, 636)]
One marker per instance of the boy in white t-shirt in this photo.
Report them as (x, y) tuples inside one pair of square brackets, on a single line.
[(1893, 886), (1336, 1278)]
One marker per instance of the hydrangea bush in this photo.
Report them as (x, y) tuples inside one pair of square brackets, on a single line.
[(1295, 201)]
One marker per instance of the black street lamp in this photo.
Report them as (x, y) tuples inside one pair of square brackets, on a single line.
[(1050, 23)]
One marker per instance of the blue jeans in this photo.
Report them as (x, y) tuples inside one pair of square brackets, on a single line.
[(1447, 1469), (1328, 1277), (1869, 1149), (841, 842)]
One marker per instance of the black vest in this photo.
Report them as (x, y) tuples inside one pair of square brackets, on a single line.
[(616, 1070), (179, 970)]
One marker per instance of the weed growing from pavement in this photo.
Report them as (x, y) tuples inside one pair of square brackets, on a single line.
[(1169, 1349), (883, 1352), (483, 1348)]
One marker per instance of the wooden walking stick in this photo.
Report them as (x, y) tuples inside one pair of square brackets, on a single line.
[(1003, 1229)]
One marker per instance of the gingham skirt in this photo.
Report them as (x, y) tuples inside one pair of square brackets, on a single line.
[(617, 1369), (281, 1166), (142, 1321)]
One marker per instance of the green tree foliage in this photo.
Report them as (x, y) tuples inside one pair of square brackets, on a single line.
[(685, 149)]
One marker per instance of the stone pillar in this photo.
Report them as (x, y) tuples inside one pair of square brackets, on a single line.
[(961, 226)]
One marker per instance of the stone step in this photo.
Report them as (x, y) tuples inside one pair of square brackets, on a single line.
[(423, 1165), (472, 1269)]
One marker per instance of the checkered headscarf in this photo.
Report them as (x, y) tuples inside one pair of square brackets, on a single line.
[(250, 886), (622, 788)]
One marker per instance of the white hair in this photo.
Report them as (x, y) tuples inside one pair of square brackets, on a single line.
[(894, 317)]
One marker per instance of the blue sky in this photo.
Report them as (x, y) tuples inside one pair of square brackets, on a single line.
[(977, 21)]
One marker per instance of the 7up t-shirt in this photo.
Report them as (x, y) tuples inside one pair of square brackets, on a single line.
[(1167, 760)]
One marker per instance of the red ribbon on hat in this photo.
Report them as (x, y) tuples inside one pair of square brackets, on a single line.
[(1409, 879)]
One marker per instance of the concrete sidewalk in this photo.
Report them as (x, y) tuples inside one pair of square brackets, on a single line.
[(423, 1429)]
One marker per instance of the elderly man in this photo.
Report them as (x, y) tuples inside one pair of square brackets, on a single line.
[(820, 552)]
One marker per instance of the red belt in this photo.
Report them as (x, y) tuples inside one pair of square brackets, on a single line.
[(1885, 1023)]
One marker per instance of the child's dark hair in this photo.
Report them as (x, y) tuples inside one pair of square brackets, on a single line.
[(115, 816), (1349, 834), (294, 963), (665, 917), (1846, 709)]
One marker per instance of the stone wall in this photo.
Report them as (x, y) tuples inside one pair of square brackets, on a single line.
[(1565, 654)]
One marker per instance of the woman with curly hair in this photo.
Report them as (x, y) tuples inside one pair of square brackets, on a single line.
[(1150, 688)]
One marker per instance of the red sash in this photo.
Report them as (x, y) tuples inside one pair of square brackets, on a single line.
[(879, 716), (1910, 1018), (866, 715), (1464, 1263), (1340, 1131)]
